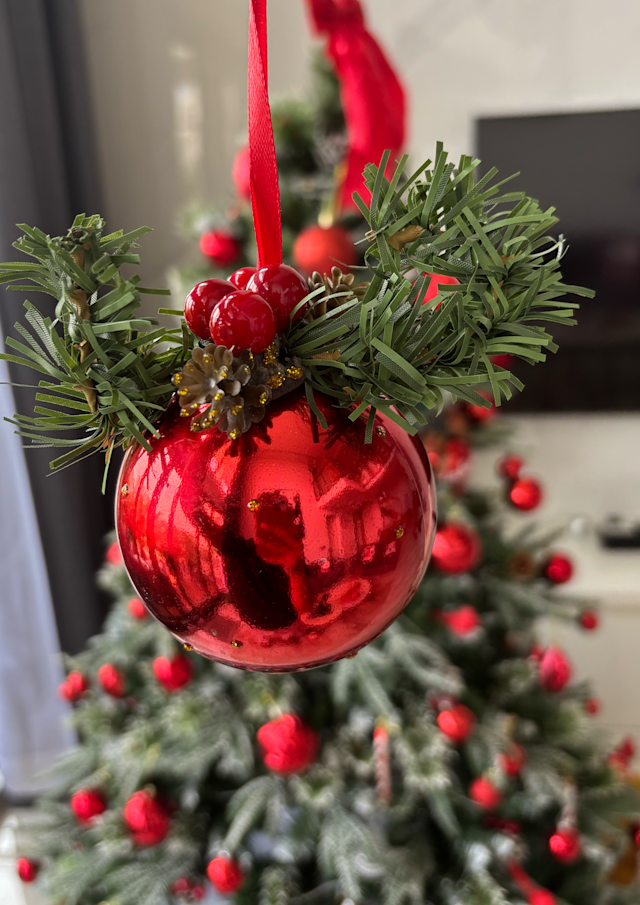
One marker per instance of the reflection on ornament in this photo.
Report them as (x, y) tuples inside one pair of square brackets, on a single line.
[(314, 571)]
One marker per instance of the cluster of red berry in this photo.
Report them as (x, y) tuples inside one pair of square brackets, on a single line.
[(247, 310)]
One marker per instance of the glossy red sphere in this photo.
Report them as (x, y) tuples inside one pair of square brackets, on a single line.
[(200, 304), (456, 549), (243, 320), (288, 548), (558, 569), (510, 467), (87, 804), (321, 248), (172, 674), (566, 845), (27, 869), (283, 287), (225, 874), (525, 494), (220, 246), (555, 669), (485, 794), (137, 609), (457, 723), (589, 620), (241, 277)]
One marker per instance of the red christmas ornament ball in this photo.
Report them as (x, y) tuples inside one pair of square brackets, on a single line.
[(137, 609), (455, 457), (555, 670), (241, 277), (481, 413), (111, 680), (456, 549), (592, 706), (541, 897), (245, 320), (283, 288), (27, 869), (319, 248), (437, 280), (589, 620), (510, 467), (74, 686), (288, 744), (197, 892), (558, 569), (463, 621), (513, 760), (201, 302), (87, 804), (225, 874), (525, 494), (241, 173), (220, 246), (113, 556), (180, 886), (173, 674), (483, 793), (457, 723), (146, 818), (288, 548), (566, 845)]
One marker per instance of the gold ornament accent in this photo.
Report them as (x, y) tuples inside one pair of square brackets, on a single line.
[(399, 532), (125, 490), (276, 381), (295, 373), (236, 644), (188, 646), (270, 356), (234, 434), (351, 656), (381, 431), (254, 505)]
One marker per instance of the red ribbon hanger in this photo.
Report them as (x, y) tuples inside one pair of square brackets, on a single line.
[(265, 192)]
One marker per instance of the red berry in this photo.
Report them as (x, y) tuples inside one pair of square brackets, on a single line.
[(146, 818), (510, 467), (502, 361), (283, 287), (566, 845), (589, 620), (26, 869), (111, 680), (220, 246), (592, 706), (87, 804), (73, 687), (456, 723), (241, 277), (172, 674), (555, 670), (481, 413), (200, 304), (137, 609), (483, 792), (525, 494), (558, 569), (243, 319), (225, 874), (321, 248)]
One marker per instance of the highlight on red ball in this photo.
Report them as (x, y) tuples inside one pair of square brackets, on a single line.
[(558, 568), (525, 494)]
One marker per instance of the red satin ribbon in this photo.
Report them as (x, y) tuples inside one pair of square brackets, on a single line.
[(373, 98), (265, 192)]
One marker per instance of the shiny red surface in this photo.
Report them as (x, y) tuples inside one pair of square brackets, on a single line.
[(331, 549)]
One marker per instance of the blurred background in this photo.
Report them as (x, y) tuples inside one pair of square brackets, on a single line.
[(138, 108)]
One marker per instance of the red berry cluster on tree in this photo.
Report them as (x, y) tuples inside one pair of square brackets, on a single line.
[(288, 744), (137, 609), (146, 818), (111, 680), (457, 723), (555, 670), (73, 687), (87, 804), (173, 674), (27, 869), (225, 874), (456, 549)]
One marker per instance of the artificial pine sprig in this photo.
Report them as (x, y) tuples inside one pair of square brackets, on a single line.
[(391, 352), (106, 374)]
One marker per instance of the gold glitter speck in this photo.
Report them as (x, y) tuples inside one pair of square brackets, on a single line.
[(399, 531), (263, 399), (218, 397), (183, 391), (276, 380), (236, 644), (234, 434), (125, 489), (177, 379), (380, 431), (188, 646), (295, 373), (351, 656), (207, 359), (254, 505), (236, 410)]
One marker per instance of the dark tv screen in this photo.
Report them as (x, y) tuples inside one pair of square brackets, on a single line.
[(586, 165)]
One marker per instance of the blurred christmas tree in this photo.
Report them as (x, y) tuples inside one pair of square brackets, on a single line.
[(449, 762)]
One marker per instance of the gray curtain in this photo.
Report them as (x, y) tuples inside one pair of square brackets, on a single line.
[(48, 173)]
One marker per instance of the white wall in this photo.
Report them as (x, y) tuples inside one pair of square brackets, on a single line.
[(460, 59)]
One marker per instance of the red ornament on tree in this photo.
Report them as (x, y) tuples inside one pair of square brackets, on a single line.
[(201, 302), (555, 669), (180, 886), (541, 897), (111, 680), (288, 744), (220, 246), (513, 760), (87, 804), (146, 818), (481, 413), (623, 754), (283, 288), (437, 280), (241, 173), (73, 687), (525, 494), (461, 622), (485, 794), (592, 706), (455, 458), (319, 248), (510, 467), (137, 609), (243, 320), (457, 723), (566, 845), (558, 569), (27, 869), (113, 556), (197, 892), (285, 549), (589, 621), (173, 674), (456, 549), (225, 874)]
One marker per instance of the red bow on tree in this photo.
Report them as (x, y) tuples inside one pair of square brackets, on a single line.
[(372, 95)]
